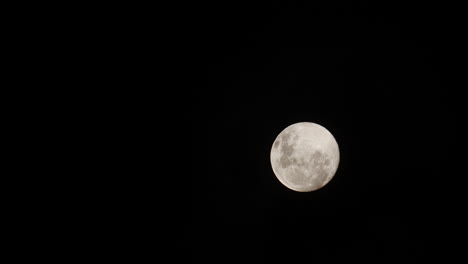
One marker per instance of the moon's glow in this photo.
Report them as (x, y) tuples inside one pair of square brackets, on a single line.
[(305, 156)]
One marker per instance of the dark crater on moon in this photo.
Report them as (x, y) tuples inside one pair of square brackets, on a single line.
[(286, 151)]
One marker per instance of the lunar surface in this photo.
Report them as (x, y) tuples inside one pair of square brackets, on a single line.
[(305, 156)]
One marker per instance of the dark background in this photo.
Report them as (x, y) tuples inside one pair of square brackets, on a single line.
[(374, 77)]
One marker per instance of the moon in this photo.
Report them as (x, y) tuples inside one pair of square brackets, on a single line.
[(305, 156)]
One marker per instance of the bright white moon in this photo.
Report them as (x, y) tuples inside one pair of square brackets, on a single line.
[(305, 156)]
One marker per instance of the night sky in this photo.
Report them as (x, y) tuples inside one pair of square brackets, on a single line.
[(373, 76)]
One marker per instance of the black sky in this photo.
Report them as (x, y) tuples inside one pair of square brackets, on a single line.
[(374, 77)]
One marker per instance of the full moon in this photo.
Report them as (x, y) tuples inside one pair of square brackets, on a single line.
[(305, 156)]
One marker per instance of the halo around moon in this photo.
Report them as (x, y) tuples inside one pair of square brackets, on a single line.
[(305, 156)]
